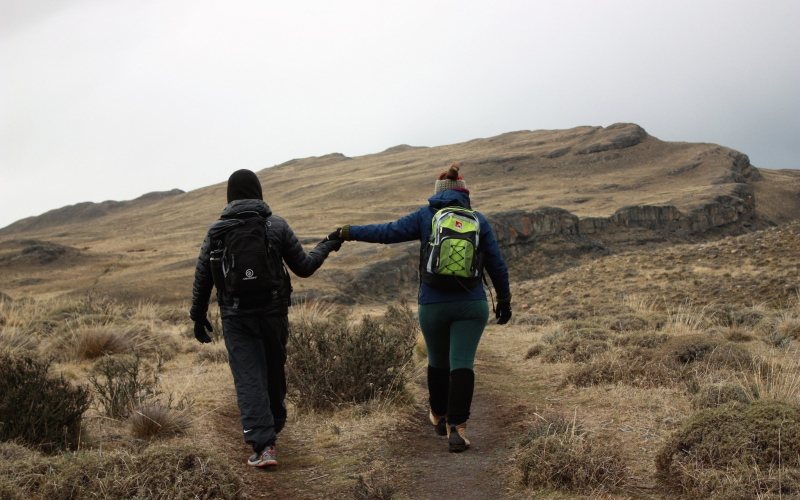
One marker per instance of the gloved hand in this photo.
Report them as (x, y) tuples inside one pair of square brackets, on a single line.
[(335, 238), (200, 328), (503, 312)]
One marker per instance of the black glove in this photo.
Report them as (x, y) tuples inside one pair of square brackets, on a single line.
[(200, 328), (503, 312), (336, 239)]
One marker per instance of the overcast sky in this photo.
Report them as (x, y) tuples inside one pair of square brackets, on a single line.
[(110, 99)]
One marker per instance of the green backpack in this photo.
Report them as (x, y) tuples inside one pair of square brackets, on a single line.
[(451, 259)]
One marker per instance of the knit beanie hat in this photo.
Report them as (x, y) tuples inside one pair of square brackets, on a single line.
[(244, 185), (449, 179)]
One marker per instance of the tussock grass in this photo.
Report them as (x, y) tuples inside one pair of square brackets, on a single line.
[(95, 341), (311, 311), (770, 379), (686, 319), (679, 359), (180, 470), (14, 340), (554, 453), (735, 451), (158, 419)]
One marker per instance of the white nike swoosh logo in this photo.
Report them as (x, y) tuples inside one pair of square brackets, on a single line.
[(248, 430)]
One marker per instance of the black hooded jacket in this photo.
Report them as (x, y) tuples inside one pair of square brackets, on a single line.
[(280, 235)]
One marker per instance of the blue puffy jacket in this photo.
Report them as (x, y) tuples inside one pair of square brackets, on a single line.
[(417, 226)]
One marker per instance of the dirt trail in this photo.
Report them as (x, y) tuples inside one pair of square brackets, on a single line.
[(475, 473), (483, 471), (420, 465)]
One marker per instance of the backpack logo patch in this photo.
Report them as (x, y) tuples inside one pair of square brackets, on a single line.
[(459, 225), (248, 275)]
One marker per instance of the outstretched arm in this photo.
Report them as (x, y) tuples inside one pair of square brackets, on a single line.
[(301, 263), (407, 228)]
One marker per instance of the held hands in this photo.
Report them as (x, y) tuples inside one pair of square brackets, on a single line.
[(503, 312), (336, 239), (200, 328)]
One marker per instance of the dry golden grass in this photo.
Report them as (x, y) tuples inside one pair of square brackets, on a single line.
[(158, 419), (668, 348)]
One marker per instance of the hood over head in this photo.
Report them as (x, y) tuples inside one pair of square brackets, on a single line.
[(244, 185)]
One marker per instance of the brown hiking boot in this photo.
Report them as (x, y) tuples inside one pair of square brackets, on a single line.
[(457, 437), (439, 423)]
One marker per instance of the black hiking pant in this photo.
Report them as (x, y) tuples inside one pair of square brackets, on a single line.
[(257, 355)]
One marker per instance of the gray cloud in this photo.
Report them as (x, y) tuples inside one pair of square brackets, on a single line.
[(108, 100)]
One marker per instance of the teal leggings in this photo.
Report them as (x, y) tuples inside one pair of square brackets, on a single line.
[(452, 331)]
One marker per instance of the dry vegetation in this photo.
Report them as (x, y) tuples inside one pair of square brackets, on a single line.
[(127, 403), (644, 374), (649, 371)]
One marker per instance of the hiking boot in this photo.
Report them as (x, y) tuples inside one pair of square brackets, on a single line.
[(457, 437), (439, 423), (264, 459)]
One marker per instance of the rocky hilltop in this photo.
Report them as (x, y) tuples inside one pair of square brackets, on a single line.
[(553, 193)]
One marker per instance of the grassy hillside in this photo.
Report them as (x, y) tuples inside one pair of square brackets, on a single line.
[(146, 249)]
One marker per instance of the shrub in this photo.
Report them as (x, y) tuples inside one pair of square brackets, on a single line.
[(38, 408), (121, 385), (214, 353), (335, 361), (715, 395), (554, 454), (738, 451), (629, 322)]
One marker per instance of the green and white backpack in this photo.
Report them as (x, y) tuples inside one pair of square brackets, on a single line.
[(452, 259)]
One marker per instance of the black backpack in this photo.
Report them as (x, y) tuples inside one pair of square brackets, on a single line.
[(245, 266)]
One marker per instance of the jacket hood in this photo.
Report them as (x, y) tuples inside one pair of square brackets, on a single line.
[(449, 198), (238, 209), (243, 185)]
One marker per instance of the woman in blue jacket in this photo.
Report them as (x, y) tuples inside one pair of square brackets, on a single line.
[(452, 322)]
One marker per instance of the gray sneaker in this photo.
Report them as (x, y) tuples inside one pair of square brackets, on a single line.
[(264, 459)]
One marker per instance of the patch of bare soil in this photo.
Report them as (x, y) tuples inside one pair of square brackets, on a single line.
[(431, 471), (289, 480)]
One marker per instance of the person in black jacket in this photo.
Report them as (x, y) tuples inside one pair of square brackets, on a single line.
[(255, 327)]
